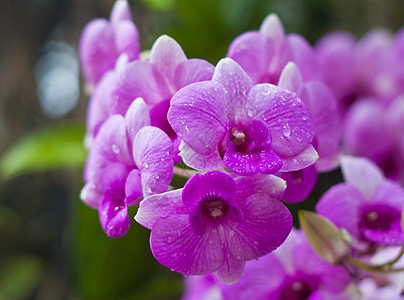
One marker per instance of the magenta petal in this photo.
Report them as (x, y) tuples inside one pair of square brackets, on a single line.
[(160, 206), (153, 154), (361, 173), (197, 115), (97, 51), (260, 183), (302, 160), (99, 108), (127, 39), (209, 183), (175, 245), (91, 195), (291, 78), (266, 224), (133, 188), (304, 57), (288, 118), (260, 160), (393, 236), (231, 270), (322, 106), (272, 27), (114, 217), (236, 82), (341, 205), (120, 12), (192, 70), (136, 117), (138, 79), (299, 184), (389, 193), (166, 54), (112, 143), (202, 162), (252, 51)]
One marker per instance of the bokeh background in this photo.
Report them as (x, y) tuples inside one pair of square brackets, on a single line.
[(51, 245)]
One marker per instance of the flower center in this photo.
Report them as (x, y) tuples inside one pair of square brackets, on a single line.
[(237, 136), (214, 206), (379, 217), (295, 288)]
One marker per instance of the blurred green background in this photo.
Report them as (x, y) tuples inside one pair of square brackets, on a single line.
[(51, 245)]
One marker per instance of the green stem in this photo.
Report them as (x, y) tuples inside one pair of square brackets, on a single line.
[(384, 268)]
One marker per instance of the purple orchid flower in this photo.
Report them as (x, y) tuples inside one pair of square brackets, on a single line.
[(264, 53), (129, 160), (292, 272), (336, 56), (103, 41), (368, 206), (321, 104), (156, 80), (216, 223), (249, 129), (374, 131)]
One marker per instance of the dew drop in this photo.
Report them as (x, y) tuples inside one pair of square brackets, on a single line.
[(116, 149), (157, 177), (146, 166), (249, 112), (148, 189), (231, 233), (286, 130), (170, 239), (186, 128)]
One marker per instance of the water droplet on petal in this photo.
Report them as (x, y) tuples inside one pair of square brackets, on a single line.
[(146, 166), (148, 189), (116, 149), (170, 239), (286, 130), (249, 112)]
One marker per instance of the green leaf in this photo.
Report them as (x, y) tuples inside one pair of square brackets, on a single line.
[(402, 219), (19, 276), (49, 148), (162, 5), (324, 237)]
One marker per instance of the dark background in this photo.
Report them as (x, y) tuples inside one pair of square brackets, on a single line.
[(51, 245)]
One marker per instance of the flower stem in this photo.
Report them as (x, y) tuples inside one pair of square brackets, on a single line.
[(184, 172)]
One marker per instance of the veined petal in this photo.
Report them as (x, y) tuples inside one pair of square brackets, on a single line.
[(153, 154), (160, 206), (341, 205), (192, 70), (237, 84), (111, 143), (361, 173), (304, 159), (133, 188), (166, 54), (114, 217), (390, 193), (136, 117), (265, 226), (175, 245), (253, 52), (288, 118), (138, 79), (260, 184), (198, 115), (231, 270), (202, 162), (260, 160)]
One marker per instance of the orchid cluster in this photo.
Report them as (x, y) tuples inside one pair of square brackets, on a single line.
[(248, 135)]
